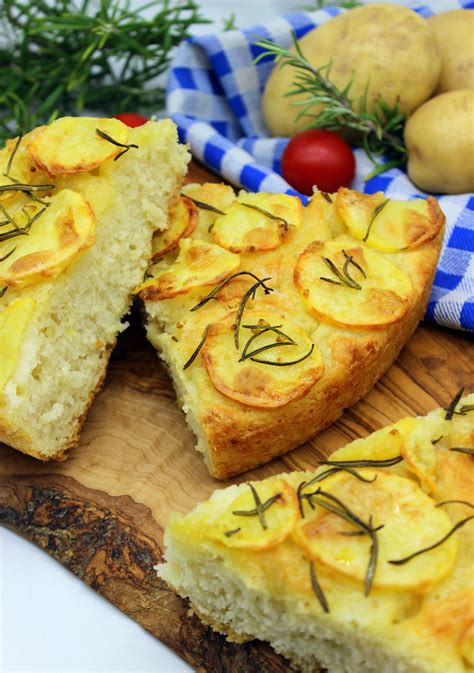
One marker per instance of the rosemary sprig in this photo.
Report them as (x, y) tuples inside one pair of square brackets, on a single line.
[(250, 294), (234, 531), (379, 132), (376, 212), (455, 502), (260, 507), (197, 350), (9, 254), (20, 187), (206, 206), (105, 136), (262, 349), (326, 196), (216, 290), (456, 527), (316, 587), (12, 156), (438, 439), (19, 231), (462, 449), (451, 408), (344, 278), (287, 363), (66, 57), (385, 462), (3, 291), (262, 330), (271, 216), (321, 477)]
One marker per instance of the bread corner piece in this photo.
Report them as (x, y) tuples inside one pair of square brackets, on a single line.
[(103, 191), (304, 560)]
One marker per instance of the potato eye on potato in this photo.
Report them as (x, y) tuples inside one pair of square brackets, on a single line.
[(410, 521), (57, 233), (344, 282), (257, 222), (183, 217), (388, 225), (72, 145), (246, 524), (198, 264), (270, 369)]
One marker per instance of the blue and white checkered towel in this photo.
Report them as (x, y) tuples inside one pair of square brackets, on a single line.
[(214, 96)]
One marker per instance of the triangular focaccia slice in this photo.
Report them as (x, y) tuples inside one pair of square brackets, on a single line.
[(80, 200), (363, 566), (273, 317)]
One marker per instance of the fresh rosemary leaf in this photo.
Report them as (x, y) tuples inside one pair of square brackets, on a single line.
[(465, 409), (262, 349), (261, 330), (229, 533), (3, 291), (461, 449), (455, 502), (376, 212), (438, 439), (260, 507), (206, 206), (387, 462), (344, 277), (320, 477), (198, 349), (105, 136), (12, 156), (350, 260), (216, 290), (2, 259), (243, 302), (284, 364), (326, 196), (316, 587), (267, 214), (20, 187), (451, 409), (456, 527)]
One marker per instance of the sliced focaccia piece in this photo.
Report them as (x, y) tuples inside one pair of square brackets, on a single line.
[(350, 568), (80, 201), (273, 317)]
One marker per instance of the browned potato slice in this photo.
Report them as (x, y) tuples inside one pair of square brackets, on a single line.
[(368, 292), (198, 264), (279, 513), (389, 225), (72, 145), (411, 522), (244, 229), (289, 371), (55, 239), (183, 218)]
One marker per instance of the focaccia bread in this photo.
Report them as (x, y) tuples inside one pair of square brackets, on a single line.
[(273, 317), (363, 566), (80, 200)]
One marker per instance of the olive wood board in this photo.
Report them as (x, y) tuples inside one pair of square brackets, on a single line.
[(102, 512)]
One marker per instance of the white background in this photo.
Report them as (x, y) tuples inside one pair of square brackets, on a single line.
[(49, 620)]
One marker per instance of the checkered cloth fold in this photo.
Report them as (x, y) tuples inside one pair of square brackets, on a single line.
[(214, 96)]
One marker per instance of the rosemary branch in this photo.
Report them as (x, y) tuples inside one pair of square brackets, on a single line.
[(379, 132)]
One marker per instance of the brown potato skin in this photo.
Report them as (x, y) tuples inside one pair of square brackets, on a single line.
[(386, 43), (440, 140), (454, 33)]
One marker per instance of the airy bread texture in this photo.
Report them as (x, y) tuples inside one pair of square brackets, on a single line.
[(243, 412), (418, 617), (76, 317)]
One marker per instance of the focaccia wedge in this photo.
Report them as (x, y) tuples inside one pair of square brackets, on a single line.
[(362, 566), (80, 200), (273, 317)]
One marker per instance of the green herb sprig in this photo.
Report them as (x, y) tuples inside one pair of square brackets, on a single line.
[(317, 589), (379, 132), (66, 57), (260, 507), (112, 141), (344, 277)]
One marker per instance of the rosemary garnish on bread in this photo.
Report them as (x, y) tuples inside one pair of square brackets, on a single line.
[(344, 278), (105, 136), (205, 206), (376, 212), (262, 211), (260, 507)]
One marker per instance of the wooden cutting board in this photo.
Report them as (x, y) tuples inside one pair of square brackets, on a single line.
[(102, 512)]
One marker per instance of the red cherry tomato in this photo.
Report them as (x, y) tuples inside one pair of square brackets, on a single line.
[(318, 157), (132, 119)]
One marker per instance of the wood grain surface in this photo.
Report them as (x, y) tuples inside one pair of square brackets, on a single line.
[(102, 512)]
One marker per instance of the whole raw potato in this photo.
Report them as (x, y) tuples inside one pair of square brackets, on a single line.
[(454, 33), (439, 138), (387, 45)]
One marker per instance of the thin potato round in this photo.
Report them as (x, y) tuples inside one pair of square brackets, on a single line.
[(411, 522), (198, 264), (240, 528), (368, 292), (255, 384), (16, 165), (389, 225), (72, 144), (182, 220), (244, 229), (211, 195), (57, 236)]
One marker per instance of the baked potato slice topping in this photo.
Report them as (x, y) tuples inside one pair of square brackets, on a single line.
[(389, 225), (72, 144), (405, 520), (17, 166), (344, 282), (257, 222), (420, 448), (53, 235), (13, 322), (270, 369), (198, 264), (260, 517), (183, 217)]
